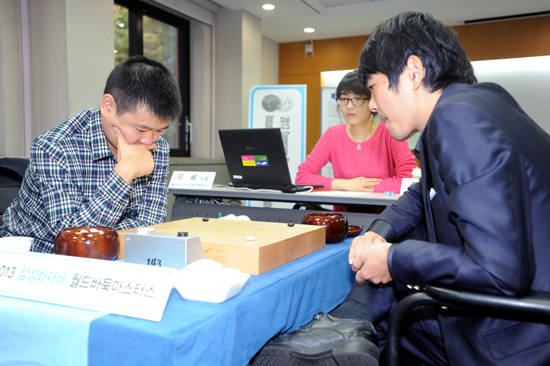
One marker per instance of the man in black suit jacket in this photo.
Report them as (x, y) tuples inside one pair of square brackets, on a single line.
[(476, 221)]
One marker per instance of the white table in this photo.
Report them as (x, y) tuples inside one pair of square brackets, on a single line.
[(190, 332), (201, 203)]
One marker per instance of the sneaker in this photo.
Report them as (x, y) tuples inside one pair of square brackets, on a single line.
[(325, 340)]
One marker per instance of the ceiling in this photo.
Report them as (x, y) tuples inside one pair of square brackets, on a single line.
[(346, 18)]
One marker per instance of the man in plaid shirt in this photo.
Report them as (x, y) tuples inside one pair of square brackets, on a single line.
[(107, 166)]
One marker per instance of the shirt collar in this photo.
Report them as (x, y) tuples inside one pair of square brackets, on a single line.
[(98, 141), (417, 146), (448, 89)]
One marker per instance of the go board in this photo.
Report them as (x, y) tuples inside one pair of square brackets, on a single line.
[(225, 241)]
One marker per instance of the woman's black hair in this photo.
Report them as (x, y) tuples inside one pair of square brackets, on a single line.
[(413, 33), (141, 82), (351, 83)]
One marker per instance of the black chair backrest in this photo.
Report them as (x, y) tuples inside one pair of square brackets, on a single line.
[(12, 171)]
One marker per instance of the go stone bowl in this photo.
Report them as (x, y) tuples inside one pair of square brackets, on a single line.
[(99, 242), (336, 224)]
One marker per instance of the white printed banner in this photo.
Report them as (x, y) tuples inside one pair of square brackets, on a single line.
[(109, 286), (284, 107)]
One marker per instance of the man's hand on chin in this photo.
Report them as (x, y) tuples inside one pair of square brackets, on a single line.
[(133, 160)]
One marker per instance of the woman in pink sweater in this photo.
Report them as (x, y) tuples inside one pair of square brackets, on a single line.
[(363, 154)]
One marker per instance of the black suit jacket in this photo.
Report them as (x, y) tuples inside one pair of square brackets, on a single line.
[(484, 197)]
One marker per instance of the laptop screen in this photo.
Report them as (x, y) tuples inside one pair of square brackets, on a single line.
[(256, 158)]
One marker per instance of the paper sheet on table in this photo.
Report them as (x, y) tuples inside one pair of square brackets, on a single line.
[(233, 217), (207, 280)]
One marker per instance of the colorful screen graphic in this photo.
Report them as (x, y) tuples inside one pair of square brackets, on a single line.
[(255, 160)]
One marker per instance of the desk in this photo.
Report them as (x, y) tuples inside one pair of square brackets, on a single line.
[(185, 205), (190, 332)]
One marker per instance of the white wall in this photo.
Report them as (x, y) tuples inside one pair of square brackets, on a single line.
[(49, 76), (2, 123), (241, 58), (90, 45), (270, 62), (71, 46), (71, 53), (527, 79), (201, 89), (11, 128), (238, 46), (251, 61), (227, 73)]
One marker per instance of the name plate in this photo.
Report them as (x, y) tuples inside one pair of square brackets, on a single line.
[(192, 180), (108, 286)]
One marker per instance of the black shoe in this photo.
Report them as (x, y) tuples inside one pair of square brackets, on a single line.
[(325, 340)]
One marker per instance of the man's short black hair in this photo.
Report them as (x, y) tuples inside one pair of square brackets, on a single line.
[(351, 83), (413, 33), (141, 82)]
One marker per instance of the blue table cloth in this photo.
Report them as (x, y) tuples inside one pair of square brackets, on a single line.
[(190, 332)]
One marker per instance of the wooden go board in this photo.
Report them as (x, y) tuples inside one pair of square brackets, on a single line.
[(225, 241)]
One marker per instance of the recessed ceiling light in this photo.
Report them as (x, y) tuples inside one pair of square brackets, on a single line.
[(309, 30), (268, 6)]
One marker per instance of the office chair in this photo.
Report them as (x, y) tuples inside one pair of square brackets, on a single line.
[(533, 307), (10, 183), (12, 171)]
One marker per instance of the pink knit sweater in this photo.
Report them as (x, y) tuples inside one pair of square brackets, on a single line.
[(381, 156)]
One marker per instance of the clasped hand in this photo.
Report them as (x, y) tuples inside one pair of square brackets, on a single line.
[(359, 184), (368, 256), (134, 160)]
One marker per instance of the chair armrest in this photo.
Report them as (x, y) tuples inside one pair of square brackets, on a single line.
[(534, 306), (394, 325), (533, 303)]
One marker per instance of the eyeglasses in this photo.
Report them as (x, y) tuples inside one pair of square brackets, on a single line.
[(354, 101)]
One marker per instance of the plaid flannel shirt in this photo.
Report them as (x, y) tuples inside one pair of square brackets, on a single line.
[(71, 182)]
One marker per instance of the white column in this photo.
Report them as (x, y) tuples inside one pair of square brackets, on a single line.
[(72, 46), (11, 120), (202, 98), (90, 52), (237, 67)]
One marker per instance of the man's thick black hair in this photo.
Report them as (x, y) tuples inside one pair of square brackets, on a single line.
[(351, 83), (141, 82), (394, 40)]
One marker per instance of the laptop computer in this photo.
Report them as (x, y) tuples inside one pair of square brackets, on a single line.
[(256, 159)]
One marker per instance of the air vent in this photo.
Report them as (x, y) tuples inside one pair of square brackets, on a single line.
[(507, 17)]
